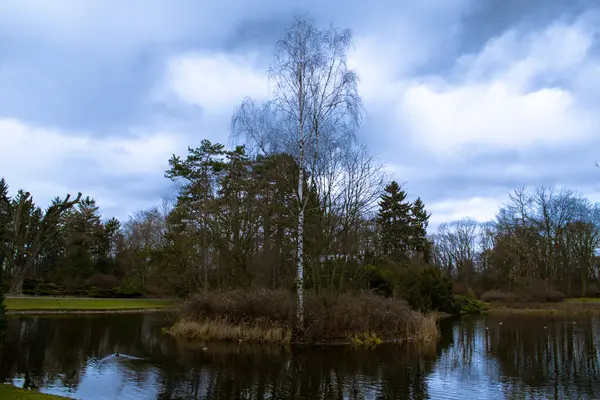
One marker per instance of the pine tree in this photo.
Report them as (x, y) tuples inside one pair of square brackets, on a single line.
[(393, 219), (418, 223)]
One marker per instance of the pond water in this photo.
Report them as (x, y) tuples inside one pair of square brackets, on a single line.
[(490, 357)]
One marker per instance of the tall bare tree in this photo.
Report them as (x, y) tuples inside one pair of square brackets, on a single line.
[(315, 96)]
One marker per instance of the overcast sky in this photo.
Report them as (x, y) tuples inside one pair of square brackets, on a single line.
[(465, 99)]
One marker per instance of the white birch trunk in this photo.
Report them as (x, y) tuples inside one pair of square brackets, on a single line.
[(300, 268)]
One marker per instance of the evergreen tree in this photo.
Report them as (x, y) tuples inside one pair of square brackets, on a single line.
[(418, 224), (393, 220)]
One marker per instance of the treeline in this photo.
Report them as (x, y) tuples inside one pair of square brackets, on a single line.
[(233, 225), (68, 248), (542, 239)]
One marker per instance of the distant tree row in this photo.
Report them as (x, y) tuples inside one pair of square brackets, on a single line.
[(544, 237)]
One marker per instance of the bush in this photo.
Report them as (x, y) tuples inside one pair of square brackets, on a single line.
[(592, 291), (103, 281), (553, 296), (48, 289), (468, 305), (500, 297), (328, 316), (117, 292), (425, 288), (29, 284)]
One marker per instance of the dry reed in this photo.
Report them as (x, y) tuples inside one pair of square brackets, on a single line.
[(267, 316)]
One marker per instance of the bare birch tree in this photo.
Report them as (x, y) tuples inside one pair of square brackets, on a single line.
[(315, 95)]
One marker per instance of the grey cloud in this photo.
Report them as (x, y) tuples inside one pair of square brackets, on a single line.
[(100, 79)]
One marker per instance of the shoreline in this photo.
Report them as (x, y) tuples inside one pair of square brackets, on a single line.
[(91, 311), (424, 331), (61, 305), (570, 307), (10, 391)]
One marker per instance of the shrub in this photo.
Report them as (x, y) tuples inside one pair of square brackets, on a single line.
[(500, 297), (117, 292), (553, 296), (48, 289), (264, 315), (592, 291), (425, 288), (468, 305), (460, 287), (29, 284), (366, 339), (102, 280), (378, 281)]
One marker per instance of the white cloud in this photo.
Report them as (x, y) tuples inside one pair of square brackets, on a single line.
[(492, 116), (519, 59), (506, 96), (217, 82), (41, 160), (481, 209)]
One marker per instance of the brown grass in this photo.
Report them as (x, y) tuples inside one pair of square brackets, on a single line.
[(523, 296), (221, 329), (571, 307), (268, 316), (424, 330)]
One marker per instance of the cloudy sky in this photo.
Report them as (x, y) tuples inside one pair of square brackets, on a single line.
[(465, 99)]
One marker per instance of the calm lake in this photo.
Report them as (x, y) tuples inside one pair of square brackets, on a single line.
[(516, 357)]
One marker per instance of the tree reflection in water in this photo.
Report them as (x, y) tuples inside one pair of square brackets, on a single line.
[(69, 355)]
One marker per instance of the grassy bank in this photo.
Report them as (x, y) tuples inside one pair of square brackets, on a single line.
[(10, 392), (267, 316), (24, 305), (581, 306)]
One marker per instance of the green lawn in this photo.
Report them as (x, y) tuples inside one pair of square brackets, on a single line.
[(10, 392), (63, 303)]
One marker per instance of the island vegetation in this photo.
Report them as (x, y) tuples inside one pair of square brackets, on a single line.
[(298, 232)]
